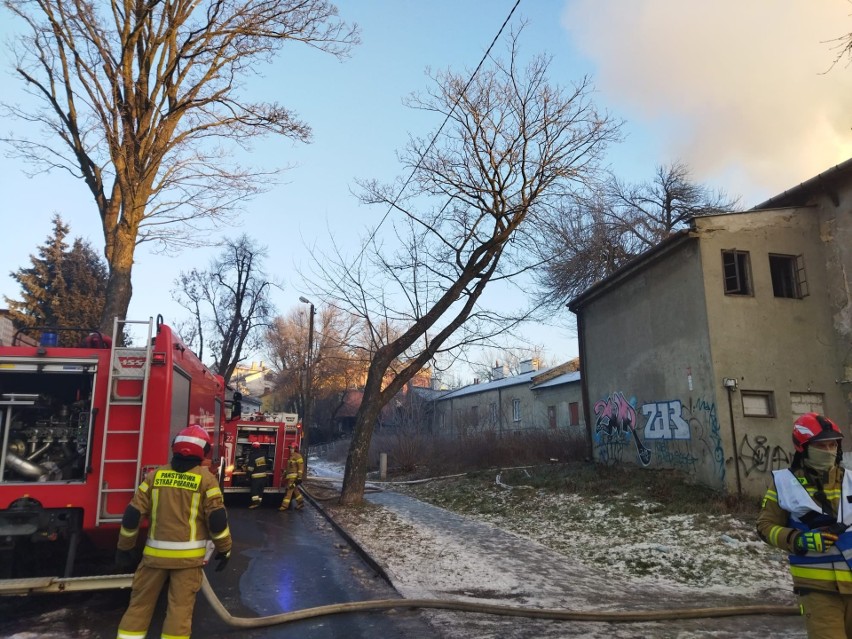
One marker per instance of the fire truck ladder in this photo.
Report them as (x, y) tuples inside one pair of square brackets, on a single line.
[(127, 363)]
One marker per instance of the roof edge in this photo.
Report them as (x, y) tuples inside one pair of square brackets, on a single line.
[(777, 201), (652, 254)]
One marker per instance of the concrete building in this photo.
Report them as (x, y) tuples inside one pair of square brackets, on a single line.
[(700, 354), (531, 399)]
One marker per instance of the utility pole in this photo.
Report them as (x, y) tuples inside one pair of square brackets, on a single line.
[(309, 374)]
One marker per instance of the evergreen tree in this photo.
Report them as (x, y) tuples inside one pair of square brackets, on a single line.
[(63, 287), (85, 277)]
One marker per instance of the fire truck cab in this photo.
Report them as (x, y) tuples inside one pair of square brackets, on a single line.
[(81, 425), (275, 432)]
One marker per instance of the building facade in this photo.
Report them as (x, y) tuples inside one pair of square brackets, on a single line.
[(700, 354), (533, 399)]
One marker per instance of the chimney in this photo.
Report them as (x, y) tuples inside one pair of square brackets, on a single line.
[(529, 365), (499, 371)]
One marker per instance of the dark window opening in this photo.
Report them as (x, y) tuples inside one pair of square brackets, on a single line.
[(735, 267), (574, 410), (788, 276)]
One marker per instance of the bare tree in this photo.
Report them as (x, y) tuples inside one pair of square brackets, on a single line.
[(597, 232), (229, 302), (653, 210), (582, 246), (512, 147), (137, 99), (335, 363)]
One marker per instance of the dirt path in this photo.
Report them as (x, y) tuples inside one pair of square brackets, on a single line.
[(431, 552)]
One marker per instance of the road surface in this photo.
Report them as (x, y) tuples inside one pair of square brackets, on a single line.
[(280, 562)]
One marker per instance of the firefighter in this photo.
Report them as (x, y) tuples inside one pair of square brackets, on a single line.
[(257, 469), (185, 509), (295, 468), (804, 514)]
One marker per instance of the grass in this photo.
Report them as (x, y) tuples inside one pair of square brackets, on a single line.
[(629, 491), (553, 461), (635, 521)]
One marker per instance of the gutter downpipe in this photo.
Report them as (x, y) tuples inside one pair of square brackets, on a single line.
[(584, 387), (499, 412), (731, 388)]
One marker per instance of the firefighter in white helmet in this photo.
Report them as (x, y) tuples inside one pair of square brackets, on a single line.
[(295, 469), (184, 505), (256, 468)]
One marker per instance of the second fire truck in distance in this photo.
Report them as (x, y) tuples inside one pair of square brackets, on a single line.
[(275, 432)]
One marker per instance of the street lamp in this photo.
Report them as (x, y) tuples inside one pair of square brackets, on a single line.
[(309, 373)]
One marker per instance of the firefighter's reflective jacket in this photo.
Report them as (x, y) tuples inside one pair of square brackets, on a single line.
[(295, 465), (185, 510), (257, 464), (786, 508)]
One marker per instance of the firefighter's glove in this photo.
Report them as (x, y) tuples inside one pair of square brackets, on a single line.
[(299, 482), (222, 558), (813, 542), (124, 560)]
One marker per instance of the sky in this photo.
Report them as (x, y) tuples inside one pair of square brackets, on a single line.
[(743, 92)]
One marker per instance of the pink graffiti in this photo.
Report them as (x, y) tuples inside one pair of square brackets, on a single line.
[(616, 416)]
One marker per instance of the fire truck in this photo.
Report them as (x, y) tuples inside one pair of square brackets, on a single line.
[(274, 432), (79, 428)]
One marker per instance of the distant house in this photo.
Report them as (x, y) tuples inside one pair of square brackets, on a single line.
[(255, 378), (532, 399), (700, 354), (7, 332), (344, 416), (412, 407)]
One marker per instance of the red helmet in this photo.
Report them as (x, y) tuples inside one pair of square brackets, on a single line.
[(97, 340), (294, 446), (813, 427), (192, 441), (255, 444)]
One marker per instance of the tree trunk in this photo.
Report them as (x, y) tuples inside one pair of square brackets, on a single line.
[(355, 475), (119, 287)]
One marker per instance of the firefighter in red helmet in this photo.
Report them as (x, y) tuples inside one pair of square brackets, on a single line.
[(256, 468), (295, 469), (807, 512), (185, 509)]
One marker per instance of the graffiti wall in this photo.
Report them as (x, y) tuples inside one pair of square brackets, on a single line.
[(667, 433)]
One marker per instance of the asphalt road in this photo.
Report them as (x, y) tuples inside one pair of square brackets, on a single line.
[(281, 562)]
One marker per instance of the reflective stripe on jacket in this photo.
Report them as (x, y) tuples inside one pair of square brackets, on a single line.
[(257, 465), (781, 519), (295, 466), (178, 506)]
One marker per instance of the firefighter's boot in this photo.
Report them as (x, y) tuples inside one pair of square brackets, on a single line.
[(300, 504), (285, 505)]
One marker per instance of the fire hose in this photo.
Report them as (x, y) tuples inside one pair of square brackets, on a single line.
[(555, 614)]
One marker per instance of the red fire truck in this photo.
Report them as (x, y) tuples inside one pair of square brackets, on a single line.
[(80, 426), (275, 432)]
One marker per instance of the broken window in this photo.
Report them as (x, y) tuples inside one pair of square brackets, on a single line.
[(788, 276), (737, 272)]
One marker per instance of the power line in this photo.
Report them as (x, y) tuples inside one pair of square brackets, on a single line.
[(438, 132)]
